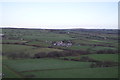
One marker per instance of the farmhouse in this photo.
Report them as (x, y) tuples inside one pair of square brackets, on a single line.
[(61, 43)]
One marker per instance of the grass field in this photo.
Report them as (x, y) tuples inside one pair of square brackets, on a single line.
[(77, 73), (40, 43), (54, 68), (9, 73), (45, 50), (79, 47), (45, 36), (103, 48), (32, 53), (15, 48), (104, 57), (11, 41), (99, 57), (43, 64), (10, 48)]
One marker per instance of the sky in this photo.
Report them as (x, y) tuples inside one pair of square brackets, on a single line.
[(59, 15)]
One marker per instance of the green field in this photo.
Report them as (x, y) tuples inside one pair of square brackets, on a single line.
[(45, 68), (22, 49), (15, 48), (104, 57), (9, 73), (77, 73), (102, 48), (79, 47), (31, 53), (99, 57), (43, 64)]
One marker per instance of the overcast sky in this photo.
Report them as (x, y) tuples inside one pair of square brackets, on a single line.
[(59, 15)]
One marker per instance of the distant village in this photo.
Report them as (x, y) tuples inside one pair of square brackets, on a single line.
[(62, 43), (57, 43)]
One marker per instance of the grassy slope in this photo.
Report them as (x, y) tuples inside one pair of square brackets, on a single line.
[(9, 48), (46, 50)]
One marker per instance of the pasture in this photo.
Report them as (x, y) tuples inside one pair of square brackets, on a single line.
[(77, 73), (55, 68), (43, 64), (31, 53), (99, 57)]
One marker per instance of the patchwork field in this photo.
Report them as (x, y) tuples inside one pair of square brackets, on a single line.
[(69, 53), (43, 64), (99, 57), (45, 68), (77, 73)]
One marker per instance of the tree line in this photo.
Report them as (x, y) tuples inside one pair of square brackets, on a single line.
[(55, 54)]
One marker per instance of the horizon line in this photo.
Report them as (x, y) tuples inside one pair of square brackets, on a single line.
[(54, 28)]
